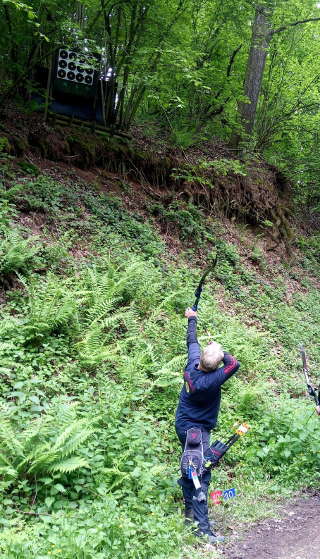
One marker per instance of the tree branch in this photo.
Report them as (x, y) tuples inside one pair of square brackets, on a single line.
[(231, 61), (229, 68), (285, 27)]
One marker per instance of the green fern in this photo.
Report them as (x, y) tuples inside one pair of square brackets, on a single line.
[(50, 443), (52, 307), (70, 465), (9, 442), (18, 254)]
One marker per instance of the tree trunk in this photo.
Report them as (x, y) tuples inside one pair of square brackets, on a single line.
[(261, 37)]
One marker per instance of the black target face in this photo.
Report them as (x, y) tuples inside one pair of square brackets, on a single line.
[(72, 67)]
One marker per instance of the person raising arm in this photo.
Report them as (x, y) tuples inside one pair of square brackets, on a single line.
[(198, 407)]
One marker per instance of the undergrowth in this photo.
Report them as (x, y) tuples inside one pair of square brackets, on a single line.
[(92, 352)]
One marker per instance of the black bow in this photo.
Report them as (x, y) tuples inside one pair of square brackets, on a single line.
[(311, 390), (199, 289)]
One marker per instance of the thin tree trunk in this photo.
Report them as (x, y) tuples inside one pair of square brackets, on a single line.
[(13, 45), (261, 37), (46, 105)]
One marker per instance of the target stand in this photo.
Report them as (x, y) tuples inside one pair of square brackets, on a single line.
[(79, 90)]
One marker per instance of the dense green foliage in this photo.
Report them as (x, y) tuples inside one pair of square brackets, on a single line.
[(92, 299), (180, 66), (92, 349)]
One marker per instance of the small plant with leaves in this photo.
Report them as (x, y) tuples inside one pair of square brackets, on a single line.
[(224, 166), (191, 174), (189, 220)]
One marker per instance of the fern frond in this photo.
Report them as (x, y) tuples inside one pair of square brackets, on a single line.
[(8, 438), (157, 310), (74, 442), (175, 364), (38, 460), (100, 309), (35, 433), (73, 429), (125, 316), (64, 411), (69, 465), (4, 462), (8, 472)]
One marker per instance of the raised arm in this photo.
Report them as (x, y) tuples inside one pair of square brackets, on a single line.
[(192, 342), (215, 379), (231, 365)]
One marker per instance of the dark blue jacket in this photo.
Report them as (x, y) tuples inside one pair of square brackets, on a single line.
[(200, 396)]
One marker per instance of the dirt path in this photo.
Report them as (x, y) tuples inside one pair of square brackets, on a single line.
[(295, 535)]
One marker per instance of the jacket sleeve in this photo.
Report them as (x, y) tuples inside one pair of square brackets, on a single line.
[(213, 381), (192, 342)]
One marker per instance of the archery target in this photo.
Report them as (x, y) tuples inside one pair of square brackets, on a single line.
[(73, 69)]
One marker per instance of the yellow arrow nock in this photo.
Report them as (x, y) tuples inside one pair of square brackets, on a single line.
[(241, 428)]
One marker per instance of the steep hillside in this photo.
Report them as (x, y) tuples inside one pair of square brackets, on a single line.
[(209, 174), (97, 267)]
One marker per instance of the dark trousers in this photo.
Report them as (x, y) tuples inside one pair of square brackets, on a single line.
[(199, 509)]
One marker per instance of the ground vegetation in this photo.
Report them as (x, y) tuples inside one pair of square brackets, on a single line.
[(93, 284)]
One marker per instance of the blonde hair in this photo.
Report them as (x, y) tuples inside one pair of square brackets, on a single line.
[(211, 356)]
